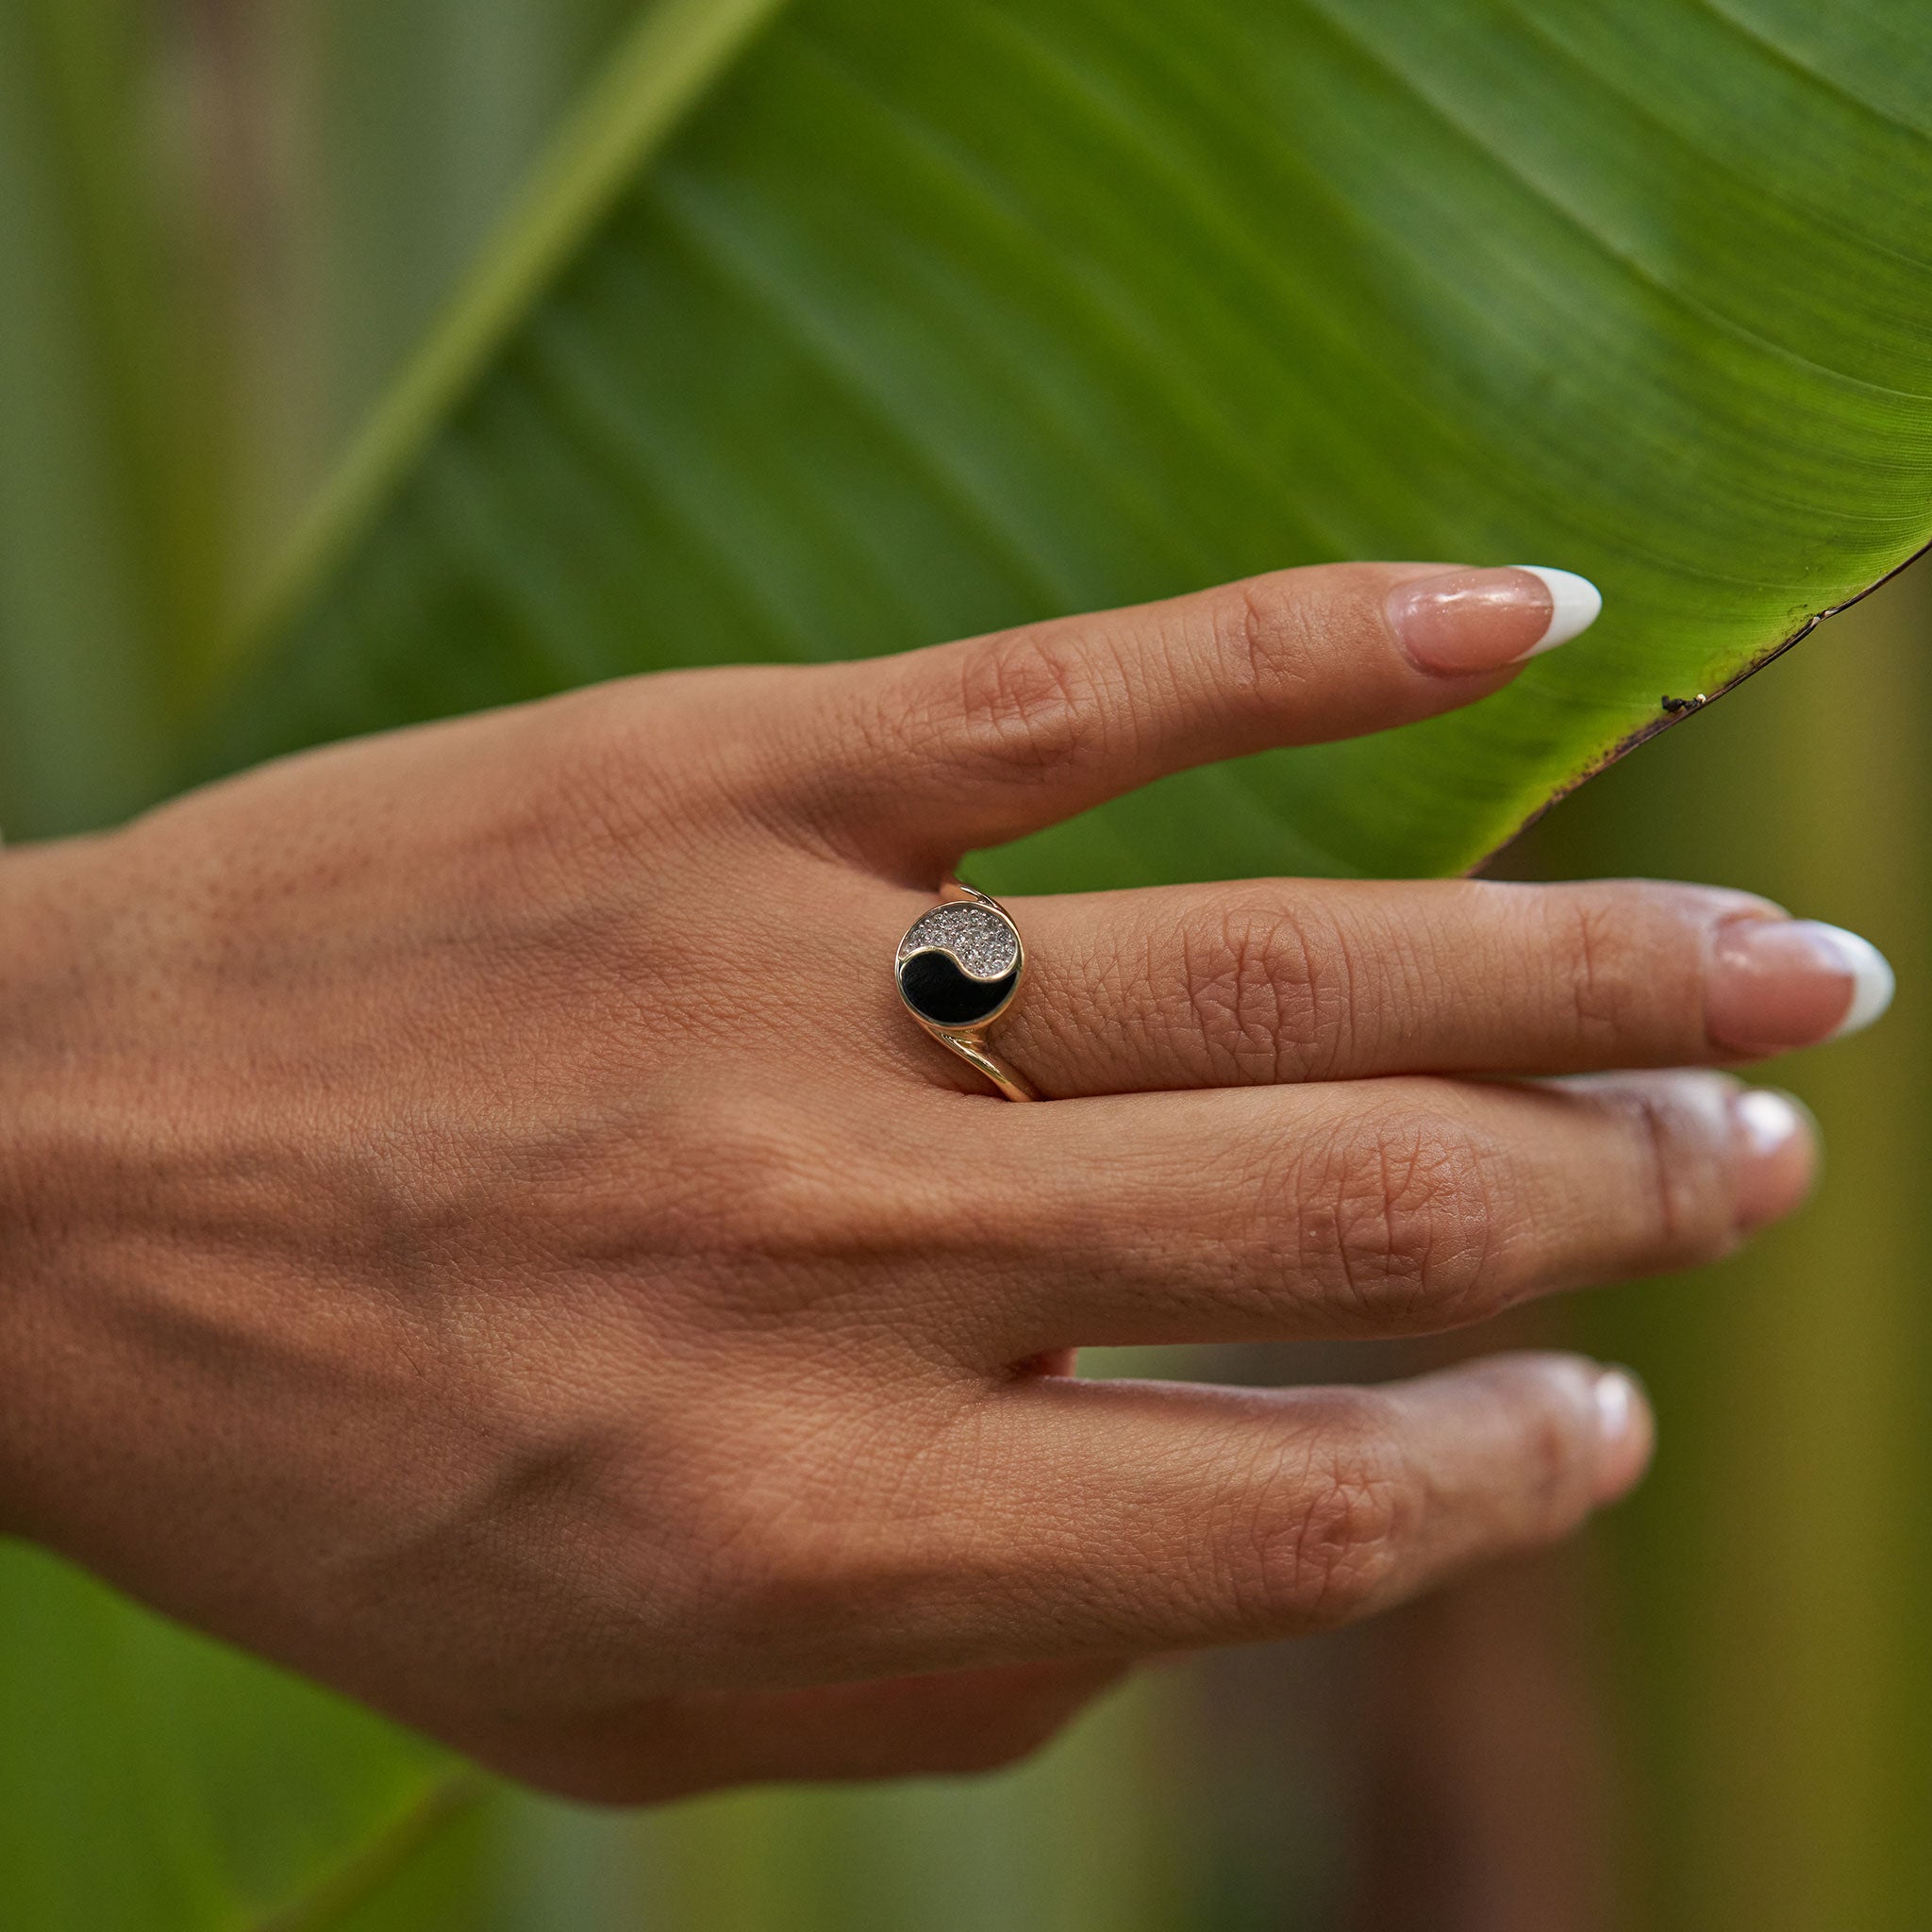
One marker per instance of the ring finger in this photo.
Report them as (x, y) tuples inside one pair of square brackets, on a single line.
[(1293, 980)]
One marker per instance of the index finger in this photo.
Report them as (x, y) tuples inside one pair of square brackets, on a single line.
[(970, 744)]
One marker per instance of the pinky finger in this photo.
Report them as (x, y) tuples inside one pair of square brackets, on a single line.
[(1137, 1516)]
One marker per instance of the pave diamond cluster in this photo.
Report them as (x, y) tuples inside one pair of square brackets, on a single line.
[(982, 941)]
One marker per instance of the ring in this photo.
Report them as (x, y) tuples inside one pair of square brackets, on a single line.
[(959, 968)]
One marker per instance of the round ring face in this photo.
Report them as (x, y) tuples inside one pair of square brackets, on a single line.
[(959, 964)]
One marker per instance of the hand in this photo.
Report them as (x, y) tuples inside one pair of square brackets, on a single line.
[(478, 1226)]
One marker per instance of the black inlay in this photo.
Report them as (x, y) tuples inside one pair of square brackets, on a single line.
[(936, 989)]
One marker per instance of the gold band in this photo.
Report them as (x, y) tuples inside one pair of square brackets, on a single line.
[(1007, 1078), (958, 971)]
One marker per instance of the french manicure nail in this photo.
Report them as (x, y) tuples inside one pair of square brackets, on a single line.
[(1773, 984), (1872, 979), (1465, 621), (1576, 604), (1768, 1119), (1624, 1429), (1615, 1401), (1776, 1148)]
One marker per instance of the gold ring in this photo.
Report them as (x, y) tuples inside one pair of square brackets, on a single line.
[(959, 968)]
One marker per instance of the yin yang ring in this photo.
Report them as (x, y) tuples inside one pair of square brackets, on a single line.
[(959, 968)]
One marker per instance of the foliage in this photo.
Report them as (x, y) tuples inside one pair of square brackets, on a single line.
[(839, 327)]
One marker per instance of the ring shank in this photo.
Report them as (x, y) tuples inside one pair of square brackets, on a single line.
[(974, 1052)]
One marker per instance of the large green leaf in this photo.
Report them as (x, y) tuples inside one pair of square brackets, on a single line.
[(842, 326)]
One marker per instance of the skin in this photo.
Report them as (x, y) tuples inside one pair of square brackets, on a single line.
[(479, 1228)]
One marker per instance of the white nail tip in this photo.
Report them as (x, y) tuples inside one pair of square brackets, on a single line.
[(1872, 979), (1768, 1118), (1616, 1405), (1577, 603)]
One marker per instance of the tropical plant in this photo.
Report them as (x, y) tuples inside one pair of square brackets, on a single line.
[(838, 327)]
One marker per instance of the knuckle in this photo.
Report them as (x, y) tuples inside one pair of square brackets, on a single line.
[(1329, 1533), (1627, 963), (1606, 985), (1555, 1473), (1550, 1459), (1682, 1131), (1399, 1218), (1268, 992), (1264, 629), (1032, 702)]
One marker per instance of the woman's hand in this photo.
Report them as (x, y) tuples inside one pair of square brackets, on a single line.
[(477, 1225)]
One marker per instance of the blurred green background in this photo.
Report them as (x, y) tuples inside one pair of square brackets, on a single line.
[(1718, 1714)]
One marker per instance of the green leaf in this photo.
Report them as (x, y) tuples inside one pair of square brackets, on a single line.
[(840, 328), (109, 548), (154, 1781), (421, 118), (847, 326)]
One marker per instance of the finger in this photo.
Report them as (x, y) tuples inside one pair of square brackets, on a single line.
[(1122, 1516), (1399, 1206), (973, 744), (944, 1723), (1291, 980)]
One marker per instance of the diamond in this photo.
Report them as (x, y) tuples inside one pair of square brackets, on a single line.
[(982, 941)]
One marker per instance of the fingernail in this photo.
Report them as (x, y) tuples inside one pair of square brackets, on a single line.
[(1777, 1152), (1626, 1429), (1773, 984), (1467, 621)]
